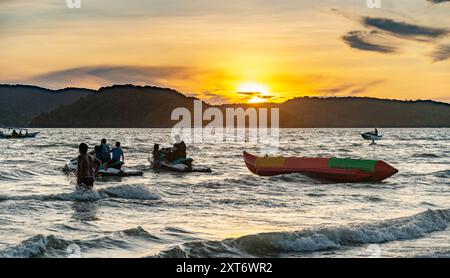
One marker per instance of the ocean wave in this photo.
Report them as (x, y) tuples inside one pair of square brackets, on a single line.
[(311, 240), (37, 246), (244, 181), (442, 174), (438, 174), (440, 254), (428, 204), (295, 177), (17, 175), (356, 144), (373, 198), (40, 245), (316, 195), (426, 155), (134, 192), (140, 232), (267, 203), (414, 138)]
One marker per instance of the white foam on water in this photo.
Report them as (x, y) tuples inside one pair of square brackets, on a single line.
[(320, 239), (135, 192), (405, 228), (139, 192)]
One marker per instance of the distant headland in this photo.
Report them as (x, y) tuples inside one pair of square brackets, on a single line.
[(129, 106)]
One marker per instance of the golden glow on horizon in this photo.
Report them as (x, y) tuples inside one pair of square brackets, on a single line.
[(253, 87), (255, 91), (257, 99), (267, 59)]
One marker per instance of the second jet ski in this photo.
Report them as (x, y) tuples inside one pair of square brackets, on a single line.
[(161, 159), (183, 166), (372, 136)]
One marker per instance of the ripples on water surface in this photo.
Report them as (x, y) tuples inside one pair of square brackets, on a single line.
[(231, 212)]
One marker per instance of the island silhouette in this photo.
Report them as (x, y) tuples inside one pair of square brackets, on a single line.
[(129, 106)]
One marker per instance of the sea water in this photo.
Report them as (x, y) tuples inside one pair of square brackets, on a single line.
[(230, 212)]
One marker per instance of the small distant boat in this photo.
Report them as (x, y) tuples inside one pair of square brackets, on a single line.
[(372, 136), (333, 169), (17, 133)]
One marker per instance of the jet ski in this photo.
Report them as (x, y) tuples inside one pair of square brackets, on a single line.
[(332, 169), (372, 136), (183, 165), (114, 170)]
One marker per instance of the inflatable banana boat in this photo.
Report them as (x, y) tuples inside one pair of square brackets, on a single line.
[(333, 169)]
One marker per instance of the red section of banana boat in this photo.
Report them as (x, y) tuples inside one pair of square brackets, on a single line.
[(318, 168)]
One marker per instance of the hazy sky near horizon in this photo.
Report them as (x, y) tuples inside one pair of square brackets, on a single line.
[(221, 51)]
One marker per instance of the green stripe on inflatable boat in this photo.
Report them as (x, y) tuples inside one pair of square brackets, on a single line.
[(365, 165)]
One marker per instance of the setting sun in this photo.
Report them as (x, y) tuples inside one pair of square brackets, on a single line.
[(254, 92), (253, 87), (257, 99)]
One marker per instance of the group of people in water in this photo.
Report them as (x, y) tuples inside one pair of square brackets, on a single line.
[(89, 163), (107, 156), (175, 154)]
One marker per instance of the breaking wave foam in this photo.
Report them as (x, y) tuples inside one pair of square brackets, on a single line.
[(311, 240), (135, 192), (40, 246)]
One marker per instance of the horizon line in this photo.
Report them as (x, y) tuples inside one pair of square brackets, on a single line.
[(189, 95)]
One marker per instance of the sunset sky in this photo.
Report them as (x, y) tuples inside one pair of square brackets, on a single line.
[(224, 51)]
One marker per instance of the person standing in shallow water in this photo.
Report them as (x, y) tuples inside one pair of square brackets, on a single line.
[(87, 167)]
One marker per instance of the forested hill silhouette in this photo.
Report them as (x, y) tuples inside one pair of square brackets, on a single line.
[(131, 106), (341, 112), (365, 112), (119, 106), (21, 103)]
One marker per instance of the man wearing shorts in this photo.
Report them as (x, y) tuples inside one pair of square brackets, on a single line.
[(87, 167)]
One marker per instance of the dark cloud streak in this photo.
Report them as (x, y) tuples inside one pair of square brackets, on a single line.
[(348, 89), (404, 29), (441, 53), (363, 40), (438, 1), (113, 75)]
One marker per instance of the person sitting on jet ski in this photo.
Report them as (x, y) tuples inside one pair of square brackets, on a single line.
[(105, 157), (376, 132), (97, 153), (14, 133), (178, 149), (117, 153)]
